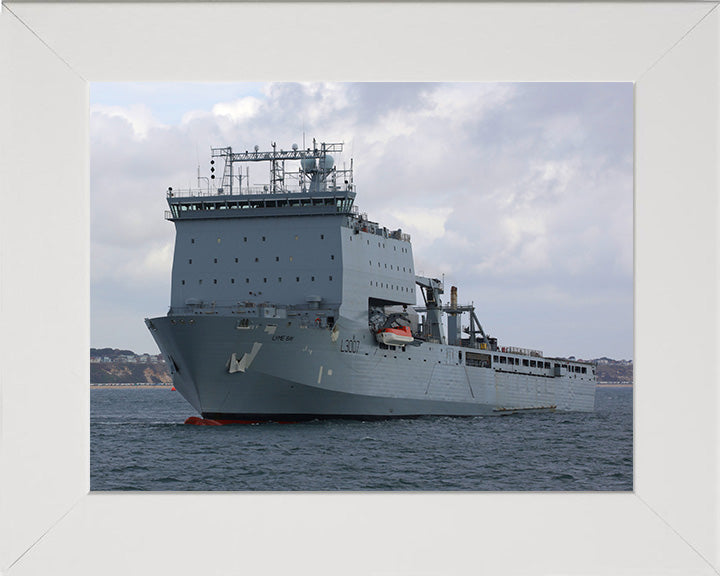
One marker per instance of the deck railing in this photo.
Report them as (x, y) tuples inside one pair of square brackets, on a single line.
[(245, 191)]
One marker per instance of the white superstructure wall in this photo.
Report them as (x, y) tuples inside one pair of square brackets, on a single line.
[(375, 266), (280, 260)]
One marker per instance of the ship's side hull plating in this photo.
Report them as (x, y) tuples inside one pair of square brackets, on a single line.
[(279, 369)]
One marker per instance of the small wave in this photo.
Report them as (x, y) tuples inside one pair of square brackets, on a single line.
[(167, 479), (130, 468)]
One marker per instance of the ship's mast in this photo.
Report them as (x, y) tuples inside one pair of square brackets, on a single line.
[(316, 164)]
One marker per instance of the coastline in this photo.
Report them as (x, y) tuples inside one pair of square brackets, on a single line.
[(125, 386), (169, 386), (613, 385)]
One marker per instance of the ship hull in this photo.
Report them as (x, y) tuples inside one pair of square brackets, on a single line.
[(281, 370)]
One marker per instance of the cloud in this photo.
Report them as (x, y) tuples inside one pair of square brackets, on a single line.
[(423, 224), (138, 116), (240, 110)]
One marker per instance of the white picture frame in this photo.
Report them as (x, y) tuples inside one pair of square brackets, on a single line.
[(50, 523)]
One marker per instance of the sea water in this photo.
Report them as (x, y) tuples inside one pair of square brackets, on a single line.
[(139, 442)]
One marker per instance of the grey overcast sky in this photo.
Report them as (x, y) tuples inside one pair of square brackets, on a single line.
[(520, 194)]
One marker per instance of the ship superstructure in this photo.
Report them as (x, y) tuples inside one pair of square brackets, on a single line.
[(287, 303)]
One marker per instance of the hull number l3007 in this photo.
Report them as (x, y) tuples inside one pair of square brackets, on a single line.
[(351, 345)]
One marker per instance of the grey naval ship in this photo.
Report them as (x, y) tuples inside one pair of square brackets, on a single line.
[(289, 304)]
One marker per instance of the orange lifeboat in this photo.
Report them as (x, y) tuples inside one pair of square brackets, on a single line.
[(395, 336)]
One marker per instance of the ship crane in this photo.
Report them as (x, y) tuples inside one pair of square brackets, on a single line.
[(432, 288)]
